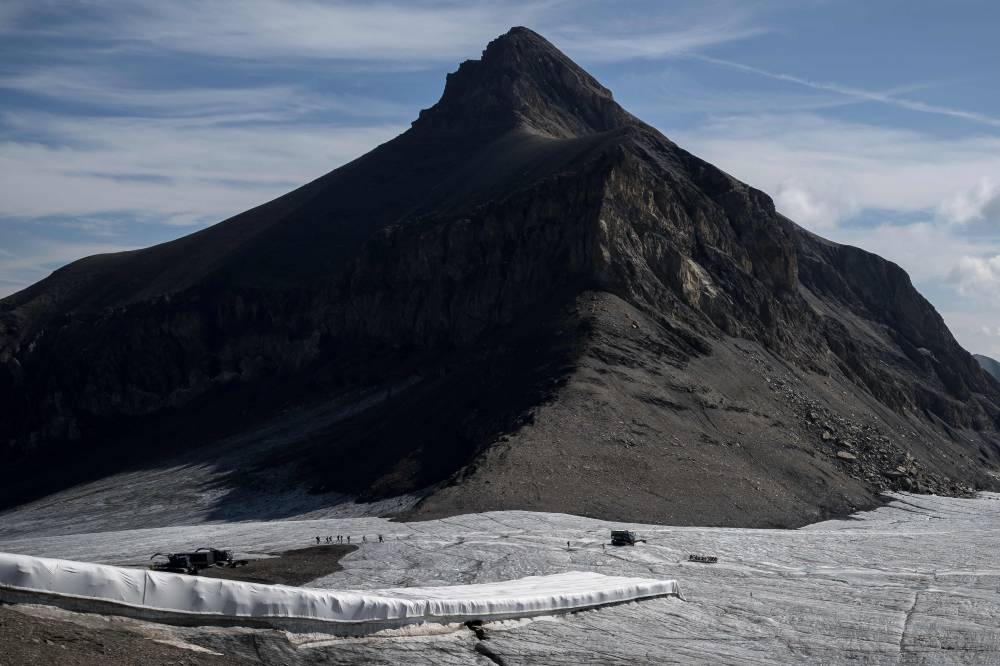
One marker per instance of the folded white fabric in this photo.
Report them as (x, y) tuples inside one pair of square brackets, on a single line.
[(195, 595)]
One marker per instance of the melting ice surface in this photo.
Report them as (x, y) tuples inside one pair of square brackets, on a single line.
[(916, 581)]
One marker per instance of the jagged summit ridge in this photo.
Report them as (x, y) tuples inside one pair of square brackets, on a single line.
[(522, 80)]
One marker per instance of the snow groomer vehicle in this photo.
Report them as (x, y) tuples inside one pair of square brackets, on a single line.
[(193, 562)]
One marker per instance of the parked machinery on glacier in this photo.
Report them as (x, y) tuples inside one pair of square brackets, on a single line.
[(625, 538), (193, 562)]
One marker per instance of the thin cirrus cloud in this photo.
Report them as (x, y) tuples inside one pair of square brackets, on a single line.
[(262, 30), (683, 34), (256, 29), (109, 90), (141, 164), (859, 94), (259, 30)]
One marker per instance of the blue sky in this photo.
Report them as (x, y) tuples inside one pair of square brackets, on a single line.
[(124, 124)]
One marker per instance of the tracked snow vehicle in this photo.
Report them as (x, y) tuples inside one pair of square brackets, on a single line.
[(193, 562), (624, 538)]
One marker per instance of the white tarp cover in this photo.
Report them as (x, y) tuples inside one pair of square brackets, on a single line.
[(195, 595)]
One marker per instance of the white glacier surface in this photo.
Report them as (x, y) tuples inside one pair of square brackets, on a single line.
[(913, 582)]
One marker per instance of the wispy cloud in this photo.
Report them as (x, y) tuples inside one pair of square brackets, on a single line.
[(11, 14), (977, 276), (175, 172), (263, 29), (976, 207), (443, 30), (843, 168), (888, 97), (683, 33), (110, 90)]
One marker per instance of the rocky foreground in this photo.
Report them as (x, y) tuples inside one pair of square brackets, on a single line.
[(912, 582)]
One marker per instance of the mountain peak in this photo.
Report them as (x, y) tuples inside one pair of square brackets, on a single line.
[(522, 80), (522, 292), (523, 36)]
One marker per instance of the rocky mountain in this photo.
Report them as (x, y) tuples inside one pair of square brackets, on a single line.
[(988, 364), (530, 299)]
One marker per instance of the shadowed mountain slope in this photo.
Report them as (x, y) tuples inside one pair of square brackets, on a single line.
[(559, 308)]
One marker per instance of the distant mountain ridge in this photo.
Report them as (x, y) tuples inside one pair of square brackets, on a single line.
[(560, 309), (988, 364)]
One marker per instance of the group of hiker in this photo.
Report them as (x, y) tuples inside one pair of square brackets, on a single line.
[(342, 539)]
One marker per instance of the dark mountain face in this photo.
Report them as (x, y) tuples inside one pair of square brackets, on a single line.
[(992, 366), (535, 301)]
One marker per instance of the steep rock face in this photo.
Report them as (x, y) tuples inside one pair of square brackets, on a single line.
[(532, 263), (914, 361)]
